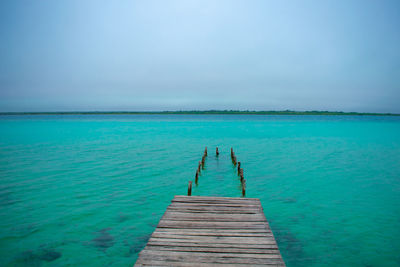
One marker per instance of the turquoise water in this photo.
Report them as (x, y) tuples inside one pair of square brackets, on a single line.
[(89, 190)]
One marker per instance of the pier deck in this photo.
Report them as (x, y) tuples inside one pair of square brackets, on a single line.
[(212, 231)]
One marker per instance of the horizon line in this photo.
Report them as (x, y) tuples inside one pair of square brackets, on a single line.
[(202, 112)]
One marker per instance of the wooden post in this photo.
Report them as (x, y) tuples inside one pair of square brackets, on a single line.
[(232, 152), (216, 151), (190, 188), (205, 152), (234, 160), (203, 160), (241, 174), (199, 167), (196, 177), (238, 168), (244, 188)]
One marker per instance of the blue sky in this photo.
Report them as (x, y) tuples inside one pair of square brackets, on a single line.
[(185, 55)]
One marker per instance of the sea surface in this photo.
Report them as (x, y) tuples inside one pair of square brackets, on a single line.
[(89, 190)]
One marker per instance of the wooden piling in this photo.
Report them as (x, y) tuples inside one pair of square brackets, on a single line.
[(196, 177), (232, 154), (199, 167), (244, 188), (190, 188), (216, 151), (238, 168), (241, 174), (205, 152)]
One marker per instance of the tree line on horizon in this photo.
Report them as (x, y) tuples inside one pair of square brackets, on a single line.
[(194, 112)]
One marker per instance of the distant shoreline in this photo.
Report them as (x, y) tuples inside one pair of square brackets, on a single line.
[(205, 112)]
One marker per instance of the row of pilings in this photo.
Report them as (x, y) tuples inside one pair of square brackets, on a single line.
[(239, 172), (201, 165)]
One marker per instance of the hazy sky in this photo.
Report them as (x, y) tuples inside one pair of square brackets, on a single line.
[(172, 55)]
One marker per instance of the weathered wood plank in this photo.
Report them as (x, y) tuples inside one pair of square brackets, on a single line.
[(177, 213), (211, 254), (219, 211), (207, 237), (210, 225), (157, 263), (203, 202), (191, 233), (213, 218), (209, 245), (217, 240), (214, 206), (202, 222), (216, 198), (268, 250), (215, 209), (217, 203), (169, 256), (213, 231)]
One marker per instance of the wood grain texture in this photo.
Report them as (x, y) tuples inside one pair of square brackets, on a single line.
[(212, 231)]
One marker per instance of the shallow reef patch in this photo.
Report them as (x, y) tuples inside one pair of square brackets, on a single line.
[(36, 257), (103, 240)]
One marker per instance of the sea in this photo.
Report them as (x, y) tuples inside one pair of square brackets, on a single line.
[(88, 190)]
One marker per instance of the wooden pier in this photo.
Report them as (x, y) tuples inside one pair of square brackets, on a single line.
[(212, 231)]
